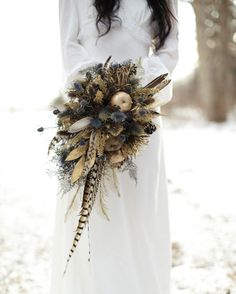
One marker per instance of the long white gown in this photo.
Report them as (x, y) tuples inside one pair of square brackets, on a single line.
[(131, 253)]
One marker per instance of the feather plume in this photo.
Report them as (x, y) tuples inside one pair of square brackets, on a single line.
[(79, 125), (156, 81), (86, 206), (91, 153), (162, 85), (107, 61), (102, 200)]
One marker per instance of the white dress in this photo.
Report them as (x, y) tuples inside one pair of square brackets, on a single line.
[(131, 253)]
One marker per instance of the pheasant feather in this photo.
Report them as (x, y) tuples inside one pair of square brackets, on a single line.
[(90, 190), (91, 153), (156, 81)]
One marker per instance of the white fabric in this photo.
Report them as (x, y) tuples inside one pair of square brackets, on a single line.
[(131, 253)]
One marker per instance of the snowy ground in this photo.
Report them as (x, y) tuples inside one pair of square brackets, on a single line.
[(200, 162), (200, 158)]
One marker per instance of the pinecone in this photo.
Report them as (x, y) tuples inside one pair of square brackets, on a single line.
[(149, 128)]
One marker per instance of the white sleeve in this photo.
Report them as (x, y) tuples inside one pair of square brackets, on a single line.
[(74, 56), (164, 60)]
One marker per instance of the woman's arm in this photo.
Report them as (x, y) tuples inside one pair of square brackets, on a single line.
[(164, 60), (74, 56)]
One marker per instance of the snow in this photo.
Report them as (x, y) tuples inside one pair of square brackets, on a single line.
[(200, 162)]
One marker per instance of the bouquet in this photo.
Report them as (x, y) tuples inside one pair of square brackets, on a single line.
[(104, 124)]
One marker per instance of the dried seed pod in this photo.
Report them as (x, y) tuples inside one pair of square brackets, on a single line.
[(116, 157), (121, 99), (113, 144)]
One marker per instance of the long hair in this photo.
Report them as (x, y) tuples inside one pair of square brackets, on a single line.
[(161, 15)]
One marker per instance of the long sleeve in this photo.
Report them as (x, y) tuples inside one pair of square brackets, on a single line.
[(164, 60), (74, 56)]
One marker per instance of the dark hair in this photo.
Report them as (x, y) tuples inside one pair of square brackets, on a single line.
[(161, 15)]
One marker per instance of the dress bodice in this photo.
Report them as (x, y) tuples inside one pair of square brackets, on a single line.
[(130, 37), (135, 19)]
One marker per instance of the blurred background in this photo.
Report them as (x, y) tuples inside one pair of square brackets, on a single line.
[(199, 140)]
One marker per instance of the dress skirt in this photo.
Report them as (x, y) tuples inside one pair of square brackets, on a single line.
[(130, 253)]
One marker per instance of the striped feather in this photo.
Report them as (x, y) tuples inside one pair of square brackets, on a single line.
[(156, 81), (107, 61), (89, 195), (163, 84), (92, 151)]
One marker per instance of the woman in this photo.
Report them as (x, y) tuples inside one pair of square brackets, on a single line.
[(131, 253)]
